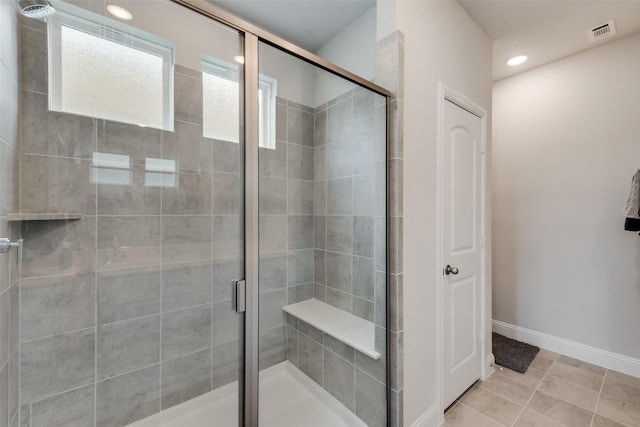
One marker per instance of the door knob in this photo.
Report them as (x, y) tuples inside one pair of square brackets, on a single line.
[(450, 270)]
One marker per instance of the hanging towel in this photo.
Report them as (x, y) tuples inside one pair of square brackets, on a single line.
[(632, 207)]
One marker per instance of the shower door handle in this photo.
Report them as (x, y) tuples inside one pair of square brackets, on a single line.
[(238, 296)]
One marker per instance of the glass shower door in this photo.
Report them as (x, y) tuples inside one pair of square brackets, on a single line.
[(132, 161), (322, 286)]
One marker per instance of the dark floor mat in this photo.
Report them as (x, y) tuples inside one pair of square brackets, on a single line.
[(513, 354)]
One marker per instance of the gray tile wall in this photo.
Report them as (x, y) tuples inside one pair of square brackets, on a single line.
[(349, 250), (9, 166), (356, 380), (126, 311), (129, 307), (349, 203), (286, 225), (390, 74)]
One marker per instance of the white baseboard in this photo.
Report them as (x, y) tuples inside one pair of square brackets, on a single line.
[(432, 417), (604, 358)]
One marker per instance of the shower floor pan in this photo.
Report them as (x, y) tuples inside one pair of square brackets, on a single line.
[(288, 398)]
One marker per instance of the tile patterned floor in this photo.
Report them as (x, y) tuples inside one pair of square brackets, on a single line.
[(556, 391)]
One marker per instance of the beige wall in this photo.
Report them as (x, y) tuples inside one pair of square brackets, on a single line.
[(354, 49), (566, 143), (442, 44)]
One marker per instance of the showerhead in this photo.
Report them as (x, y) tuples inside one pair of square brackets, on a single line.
[(37, 9)]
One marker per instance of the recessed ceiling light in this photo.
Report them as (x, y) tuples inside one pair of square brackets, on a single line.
[(516, 60), (239, 59), (120, 12)]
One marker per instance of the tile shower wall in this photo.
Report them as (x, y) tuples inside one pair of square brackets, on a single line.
[(126, 311), (349, 250), (349, 203), (286, 225), (389, 74), (9, 274)]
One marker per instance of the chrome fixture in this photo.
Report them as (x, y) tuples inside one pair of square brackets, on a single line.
[(37, 9), (6, 245), (450, 270), (239, 296)]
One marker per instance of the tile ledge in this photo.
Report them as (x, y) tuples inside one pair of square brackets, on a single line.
[(351, 330), (43, 216)]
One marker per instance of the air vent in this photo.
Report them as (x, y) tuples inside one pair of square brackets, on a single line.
[(602, 31)]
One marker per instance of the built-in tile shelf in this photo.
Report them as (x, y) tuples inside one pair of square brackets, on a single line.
[(43, 216), (351, 330)]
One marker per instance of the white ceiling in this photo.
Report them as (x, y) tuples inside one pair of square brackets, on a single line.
[(547, 30), (307, 23), (544, 30)]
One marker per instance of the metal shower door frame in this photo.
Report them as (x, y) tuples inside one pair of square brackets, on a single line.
[(249, 347)]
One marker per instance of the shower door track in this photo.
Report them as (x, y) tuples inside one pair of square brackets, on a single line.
[(248, 378)]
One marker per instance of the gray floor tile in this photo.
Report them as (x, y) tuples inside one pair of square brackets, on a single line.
[(624, 379), (508, 388), (543, 360), (559, 410), (577, 375), (572, 393), (463, 416), (531, 378), (566, 360), (619, 402), (600, 421), (492, 405), (531, 418)]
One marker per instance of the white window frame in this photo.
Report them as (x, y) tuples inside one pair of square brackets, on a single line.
[(107, 29), (266, 84)]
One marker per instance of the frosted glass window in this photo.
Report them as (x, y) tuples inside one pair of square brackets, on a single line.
[(112, 74), (221, 108), (221, 103)]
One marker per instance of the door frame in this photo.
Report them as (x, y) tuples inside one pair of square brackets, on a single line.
[(446, 93)]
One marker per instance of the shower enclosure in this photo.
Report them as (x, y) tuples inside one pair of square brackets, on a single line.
[(202, 210)]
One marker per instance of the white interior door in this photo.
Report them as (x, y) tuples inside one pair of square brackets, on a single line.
[(462, 269)]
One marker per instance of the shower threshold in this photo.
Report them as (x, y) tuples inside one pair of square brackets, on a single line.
[(288, 398)]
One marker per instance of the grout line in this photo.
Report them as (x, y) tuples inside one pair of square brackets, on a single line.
[(459, 399), (478, 412), (116, 322), (575, 384), (531, 397), (95, 279), (593, 417), (137, 268), (161, 302), (49, 396), (571, 382), (501, 395), (59, 334), (240, 337)]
